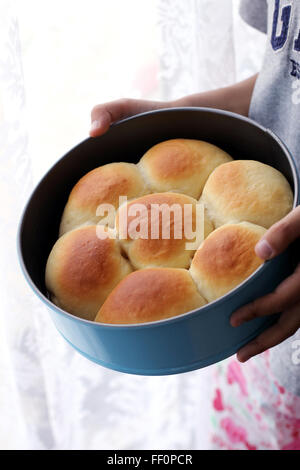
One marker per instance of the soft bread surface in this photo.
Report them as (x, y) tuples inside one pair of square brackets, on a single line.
[(150, 295), (181, 165), (226, 258), (147, 251), (103, 185), (142, 275), (83, 269), (247, 190)]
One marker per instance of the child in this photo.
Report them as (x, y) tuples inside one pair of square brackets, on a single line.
[(267, 415)]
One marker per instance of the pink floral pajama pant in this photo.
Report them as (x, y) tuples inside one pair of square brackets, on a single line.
[(251, 410)]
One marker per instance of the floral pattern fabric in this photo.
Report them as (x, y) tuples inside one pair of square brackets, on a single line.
[(251, 410)]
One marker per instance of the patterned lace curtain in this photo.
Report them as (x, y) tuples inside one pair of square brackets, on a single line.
[(198, 46), (205, 45), (50, 396)]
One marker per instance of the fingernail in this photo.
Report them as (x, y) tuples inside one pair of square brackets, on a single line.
[(243, 357), (95, 125), (263, 249)]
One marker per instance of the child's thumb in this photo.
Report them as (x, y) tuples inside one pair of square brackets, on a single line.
[(279, 236), (103, 115)]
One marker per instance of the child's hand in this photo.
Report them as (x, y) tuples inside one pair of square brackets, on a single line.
[(103, 115), (285, 298), (235, 98)]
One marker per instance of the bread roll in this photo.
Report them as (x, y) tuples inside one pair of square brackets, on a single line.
[(83, 269), (181, 165), (150, 295), (247, 190), (160, 232), (163, 235), (103, 185), (226, 258)]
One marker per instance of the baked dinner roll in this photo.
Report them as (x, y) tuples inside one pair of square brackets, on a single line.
[(83, 269), (226, 258), (154, 230), (181, 165), (150, 295), (247, 190), (103, 185)]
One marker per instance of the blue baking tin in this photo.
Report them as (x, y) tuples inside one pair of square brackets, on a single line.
[(195, 339)]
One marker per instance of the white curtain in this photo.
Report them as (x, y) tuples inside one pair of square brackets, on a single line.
[(55, 64)]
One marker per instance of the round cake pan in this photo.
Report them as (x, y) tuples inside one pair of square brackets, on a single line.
[(195, 339)]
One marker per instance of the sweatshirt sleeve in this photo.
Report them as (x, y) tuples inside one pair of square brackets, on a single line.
[(255, 13)]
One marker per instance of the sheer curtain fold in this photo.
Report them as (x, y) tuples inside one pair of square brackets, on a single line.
[(197, 47), (50, 396), (22, 397)]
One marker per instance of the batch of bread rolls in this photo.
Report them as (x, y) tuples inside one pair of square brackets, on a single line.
[(129, 280)]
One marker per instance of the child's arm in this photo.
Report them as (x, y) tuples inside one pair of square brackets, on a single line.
[(285, 298), (235, 98)]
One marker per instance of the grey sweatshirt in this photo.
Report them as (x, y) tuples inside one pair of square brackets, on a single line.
[(276, 105)]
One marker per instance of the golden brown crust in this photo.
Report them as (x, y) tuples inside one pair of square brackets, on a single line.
[(247, 190), (87, 262), (103, 185), (226, 258), (83, 269), (181, 164), (150, 295)]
